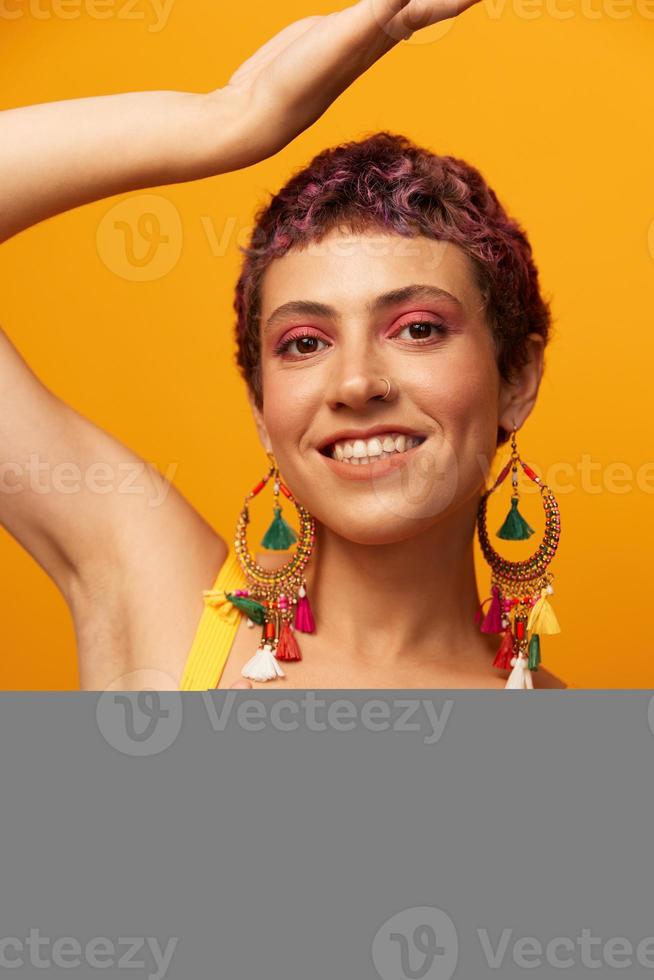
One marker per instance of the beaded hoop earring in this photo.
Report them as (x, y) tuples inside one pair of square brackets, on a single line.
[(519, 588), (274, 598)]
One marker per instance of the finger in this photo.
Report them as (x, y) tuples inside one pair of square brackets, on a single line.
[(425, 13)]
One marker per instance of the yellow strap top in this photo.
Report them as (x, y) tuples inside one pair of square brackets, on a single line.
[(216, 630)]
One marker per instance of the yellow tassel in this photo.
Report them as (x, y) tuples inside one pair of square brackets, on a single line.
[(542, 618), (225, 609)]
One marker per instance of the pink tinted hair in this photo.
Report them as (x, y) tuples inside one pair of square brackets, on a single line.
[(385, 181)]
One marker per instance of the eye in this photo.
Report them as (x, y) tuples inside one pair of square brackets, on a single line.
[(424, 326), (301, 338)]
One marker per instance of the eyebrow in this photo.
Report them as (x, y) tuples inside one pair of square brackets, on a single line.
[(415, 291)]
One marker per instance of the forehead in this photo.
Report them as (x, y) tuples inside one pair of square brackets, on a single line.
[(346, 270)]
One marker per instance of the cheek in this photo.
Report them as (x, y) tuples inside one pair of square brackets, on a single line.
[(290, 402), (461, 390)]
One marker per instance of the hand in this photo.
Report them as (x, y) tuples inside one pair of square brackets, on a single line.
[(290, 81)]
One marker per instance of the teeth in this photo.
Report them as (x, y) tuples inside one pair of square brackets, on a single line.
[(360, 452)]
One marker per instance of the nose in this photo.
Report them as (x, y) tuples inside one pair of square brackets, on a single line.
[(357, 378)]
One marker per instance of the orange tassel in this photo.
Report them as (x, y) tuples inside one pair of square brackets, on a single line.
[(287, 648)]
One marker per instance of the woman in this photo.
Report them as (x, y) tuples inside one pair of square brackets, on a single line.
[(380, 325)]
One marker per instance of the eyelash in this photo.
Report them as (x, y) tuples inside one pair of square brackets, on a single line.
[(281, 348)]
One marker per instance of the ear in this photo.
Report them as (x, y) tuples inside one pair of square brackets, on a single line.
[(264, 438), (517, 398)]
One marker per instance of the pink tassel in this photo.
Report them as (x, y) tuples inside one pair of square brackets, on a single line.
[(287, 648), (304, 621), (506, 652), (492, 622), (480, 612)]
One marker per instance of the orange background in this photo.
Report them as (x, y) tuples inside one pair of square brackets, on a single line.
[(550, 100)]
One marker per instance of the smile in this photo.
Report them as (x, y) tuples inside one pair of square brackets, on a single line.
[(353, 460)]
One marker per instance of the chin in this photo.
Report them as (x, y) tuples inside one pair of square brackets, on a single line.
[(371, 529)]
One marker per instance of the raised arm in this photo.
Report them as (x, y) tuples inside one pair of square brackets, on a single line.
[(59, 155)]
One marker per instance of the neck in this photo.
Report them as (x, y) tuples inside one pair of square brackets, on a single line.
[(410, 601)]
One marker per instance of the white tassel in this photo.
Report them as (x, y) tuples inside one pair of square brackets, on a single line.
[(520, 678), (263, 666)]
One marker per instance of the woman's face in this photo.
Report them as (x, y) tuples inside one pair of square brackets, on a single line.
[(345, 331)]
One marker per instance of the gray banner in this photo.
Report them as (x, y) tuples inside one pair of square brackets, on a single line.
[(327, 835)]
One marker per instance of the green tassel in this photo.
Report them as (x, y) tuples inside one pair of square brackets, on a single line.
[(279, 535), (515, 527), (253, 610), (534, 652)]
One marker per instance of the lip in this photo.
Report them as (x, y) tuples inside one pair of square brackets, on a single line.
[(365, 434), (382, 467)]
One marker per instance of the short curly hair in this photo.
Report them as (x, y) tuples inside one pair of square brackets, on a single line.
[(385, 181)]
